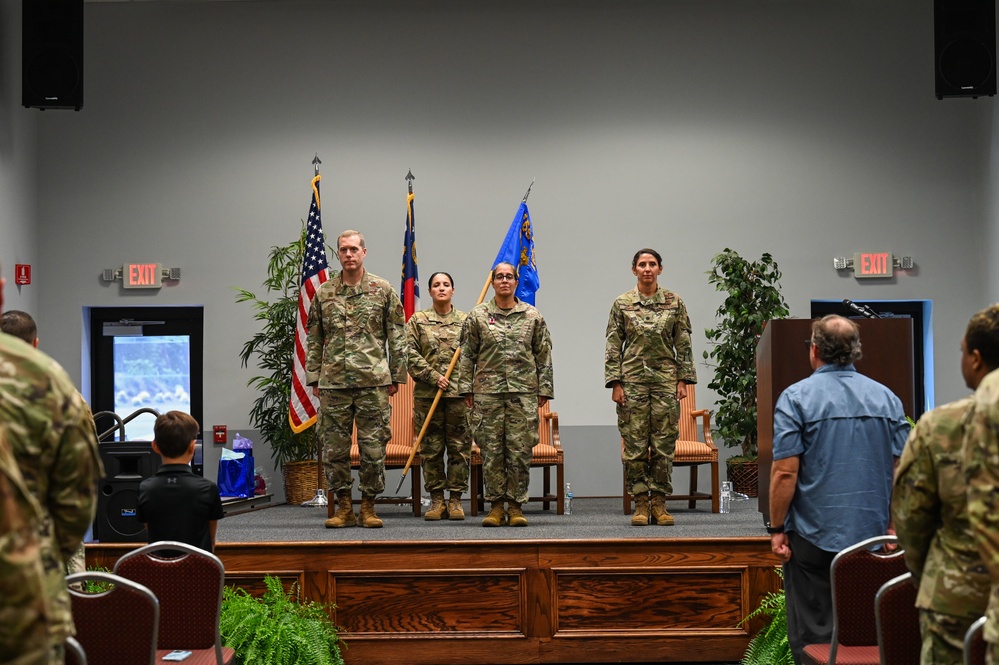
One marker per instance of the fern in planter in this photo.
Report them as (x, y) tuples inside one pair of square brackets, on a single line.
[(770, 646), (274, 347), (276, 629)]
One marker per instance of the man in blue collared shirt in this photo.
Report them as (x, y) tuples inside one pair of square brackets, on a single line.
[(837, 435)]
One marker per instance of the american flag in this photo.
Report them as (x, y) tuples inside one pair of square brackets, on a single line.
[(315, 271)]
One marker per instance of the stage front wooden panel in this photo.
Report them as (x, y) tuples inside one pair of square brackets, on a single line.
[(491, 602)]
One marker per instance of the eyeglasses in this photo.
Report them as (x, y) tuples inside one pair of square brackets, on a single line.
[(505, 278), (808, 342)]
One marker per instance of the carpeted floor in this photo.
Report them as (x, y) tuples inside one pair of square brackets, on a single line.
[(591, 519)]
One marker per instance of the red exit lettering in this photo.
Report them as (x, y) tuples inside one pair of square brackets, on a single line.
[(874, 264), (142, 274)]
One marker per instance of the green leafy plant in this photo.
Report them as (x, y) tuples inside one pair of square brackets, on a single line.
[(277, 629), (93, 586), (752, 298), (274, 347), (770, 646)]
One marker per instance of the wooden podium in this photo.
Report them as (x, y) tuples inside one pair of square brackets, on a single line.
[(782, 359)]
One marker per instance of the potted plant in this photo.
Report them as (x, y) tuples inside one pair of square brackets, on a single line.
[(276, 628), (752, 298), (274, 346)]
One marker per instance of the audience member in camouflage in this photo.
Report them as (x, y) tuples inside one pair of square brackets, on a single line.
[(981, 460), (48, 432), (648, 363), (21, 324), (433, 336), (24, 631), (356, 359), (929, 510), (506, 375)]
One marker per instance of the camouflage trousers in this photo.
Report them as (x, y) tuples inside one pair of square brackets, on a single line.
[(943, 637), (506, 428), (648, 424), (339, 411), (446, 432)]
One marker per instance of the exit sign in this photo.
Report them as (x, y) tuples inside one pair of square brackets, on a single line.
[(873, 264), (142, 276)]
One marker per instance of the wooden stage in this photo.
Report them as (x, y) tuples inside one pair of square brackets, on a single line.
[(472, 601)]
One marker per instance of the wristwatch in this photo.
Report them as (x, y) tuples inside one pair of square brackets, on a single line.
[(775, 529)]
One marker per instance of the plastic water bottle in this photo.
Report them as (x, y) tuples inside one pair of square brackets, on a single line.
[(568, 499), (726, 497)]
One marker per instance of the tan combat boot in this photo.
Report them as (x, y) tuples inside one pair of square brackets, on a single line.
[(367, 517), (641, 515), (659, 512), (496, 516), (516, 515), (344, 515), (454, 507), (437, 508)]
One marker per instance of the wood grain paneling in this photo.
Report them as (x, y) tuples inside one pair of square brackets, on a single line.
[(519, 601)]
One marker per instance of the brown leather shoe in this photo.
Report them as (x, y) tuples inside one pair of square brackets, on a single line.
[(496, 516), (660, 515), (367, 517), (516, 515), (437, 510), (454, 509), (641, 515), (344, 515)]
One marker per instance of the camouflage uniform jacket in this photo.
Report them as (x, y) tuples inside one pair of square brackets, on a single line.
[(648, 340), (930, 511), (24, 605), (506, 352), (981, 471), (349, 328), (51, 435), (433, 339)]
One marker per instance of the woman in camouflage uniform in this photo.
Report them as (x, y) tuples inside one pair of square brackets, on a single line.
[(648, 364), (433, 335)]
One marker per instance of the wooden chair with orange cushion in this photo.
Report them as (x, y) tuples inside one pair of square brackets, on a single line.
[(691, 451), (546, 454), (396, 452)]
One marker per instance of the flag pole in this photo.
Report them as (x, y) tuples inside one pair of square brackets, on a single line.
[(320, 476), (450, 367)]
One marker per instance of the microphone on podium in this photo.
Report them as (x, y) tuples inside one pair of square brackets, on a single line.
[(863, 310)]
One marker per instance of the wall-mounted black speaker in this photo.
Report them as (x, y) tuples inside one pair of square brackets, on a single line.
[(52, 54), (965, 47), (126, 464)]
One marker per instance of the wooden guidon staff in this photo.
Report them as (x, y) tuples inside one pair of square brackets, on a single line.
[(437, 397)]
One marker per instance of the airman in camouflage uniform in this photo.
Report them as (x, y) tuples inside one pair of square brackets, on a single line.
[(433, 338), (979, 360), (21, 324), (506, 375), (929, 510), (24, 613), (356, 359), (48, 432), (648, 362)]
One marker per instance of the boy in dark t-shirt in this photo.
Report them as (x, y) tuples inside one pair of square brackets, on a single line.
[(175, 504)]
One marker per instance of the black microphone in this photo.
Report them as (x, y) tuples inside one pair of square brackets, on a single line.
[(859, 309)]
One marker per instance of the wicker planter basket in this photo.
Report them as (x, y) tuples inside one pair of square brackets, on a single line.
[(300, 481), (744, 476)]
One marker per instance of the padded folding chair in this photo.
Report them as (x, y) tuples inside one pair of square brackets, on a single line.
[(189, 588), (974, 643), (115, 626), (899, 640), (857, 573), (74, 652)]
